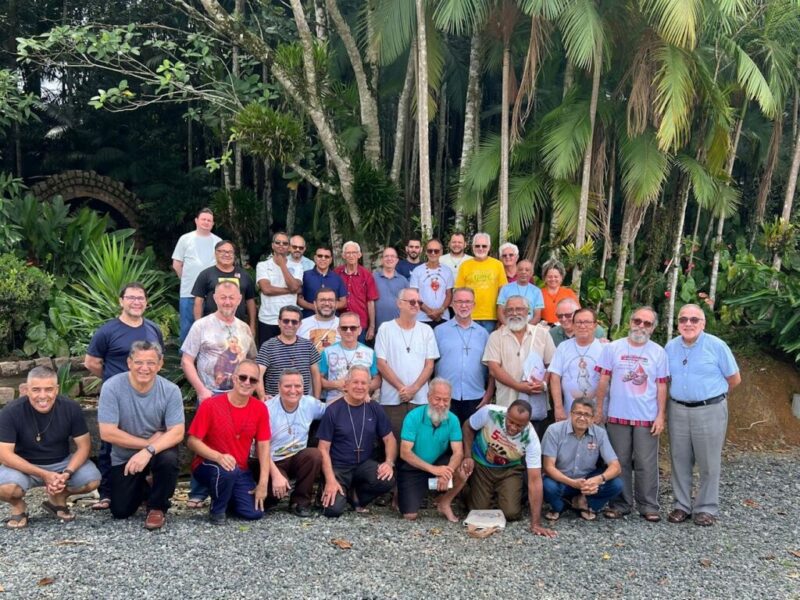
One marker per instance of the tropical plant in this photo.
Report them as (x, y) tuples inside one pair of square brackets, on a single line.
[(24, 290)]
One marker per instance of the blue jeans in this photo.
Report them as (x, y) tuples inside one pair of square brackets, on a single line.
[(487, 324), (230, 490), (186, 308), (555, 493)]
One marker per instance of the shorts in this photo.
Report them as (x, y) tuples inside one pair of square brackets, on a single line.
[(86, 474)]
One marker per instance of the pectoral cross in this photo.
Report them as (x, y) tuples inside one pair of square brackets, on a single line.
[(358, 453)]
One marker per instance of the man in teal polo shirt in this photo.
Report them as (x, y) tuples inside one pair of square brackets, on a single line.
[(430, 449)]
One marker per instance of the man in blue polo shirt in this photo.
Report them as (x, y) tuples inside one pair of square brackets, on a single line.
[(321, 276), (430, 449), (703, 371)]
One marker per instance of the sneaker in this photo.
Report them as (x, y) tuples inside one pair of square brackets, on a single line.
[(218, 518), (155, 519)]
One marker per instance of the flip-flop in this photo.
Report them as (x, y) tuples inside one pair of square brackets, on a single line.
[(612, 513), (102, 504), (651, 517), (66, 515), (16, 519), (195, 504), (552, 516), (588, 514)]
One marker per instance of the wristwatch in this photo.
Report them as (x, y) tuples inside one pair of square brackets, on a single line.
[(69, 472), (603, 477), (150, 449)]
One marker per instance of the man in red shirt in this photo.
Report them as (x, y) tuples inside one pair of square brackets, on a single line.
[(361, 290), (221, 435)]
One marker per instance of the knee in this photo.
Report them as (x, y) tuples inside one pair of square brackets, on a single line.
[(335, 510), (167, 460), (313, 456), (614, 486), (550, 487), (11, 491), (89, 487), (512, 513)]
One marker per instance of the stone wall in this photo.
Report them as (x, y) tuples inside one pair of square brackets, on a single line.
[(89, 385)]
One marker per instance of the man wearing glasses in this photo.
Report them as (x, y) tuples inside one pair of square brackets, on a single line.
[(434, 282), (279, 281), (337, 359), (565, 330), (485, 275), (297, 246), (321, 327), (635, 370), (570, 451), (703, 371), (321, 276)]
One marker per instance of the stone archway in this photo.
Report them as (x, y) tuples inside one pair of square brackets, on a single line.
[(89, 184)]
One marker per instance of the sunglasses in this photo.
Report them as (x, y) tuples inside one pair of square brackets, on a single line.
[(247, 379), (433, 251), (565, 315), (480, 245), (349, 327), (692, 320), (507, 255), (412, 302), (642, 323), (298, 247), (280, 243), (323, 256), (290, 321)]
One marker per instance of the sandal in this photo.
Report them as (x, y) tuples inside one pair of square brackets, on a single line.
[(704, 519), (66, 515), (588, 515), (677, 516), (16, 519), (651, 517), (552, 516), (612, 513), (102, 504), (195, 504)]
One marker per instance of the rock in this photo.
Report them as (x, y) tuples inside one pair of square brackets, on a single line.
[(9, 369), (77, 363), (60, 361), (43, 362), (7, 394), (26, 365), (90, 386)]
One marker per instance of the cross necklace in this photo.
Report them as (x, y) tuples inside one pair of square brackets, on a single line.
[(236, 434), (358, 439), (686, 352), (463, 343), (409, 341), (290, 426), (39, 434)]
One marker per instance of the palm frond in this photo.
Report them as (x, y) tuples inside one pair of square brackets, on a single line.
[(583, 33), (460, 16), (702, 183), (644, 168), (674, 96), (566, 133), (677, 21), (395, 24)]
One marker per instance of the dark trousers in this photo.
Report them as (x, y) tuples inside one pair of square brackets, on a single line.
[(304, 467), (555, 492), (412, 484), (364, 479), (229, 490), (128, 491), (104, 465), (464, 409)]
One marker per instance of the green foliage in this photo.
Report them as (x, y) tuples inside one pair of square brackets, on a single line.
[(24, 291), (42, 341), (69, 383), (267, 133), (16, 106), (11, 188)]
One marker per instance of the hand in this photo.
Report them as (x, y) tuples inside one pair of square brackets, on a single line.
[(329, 493), (370, 333), (486, 400), (443, 483), (599, 419), (542, 531), (227, 462), (559, 414), (538, 385), (385, 471), (658, 426), (590, 486), (280, 486), (577, 483), (467, 466), (55, 483), (443, 472), (527, 387), (137, 462), (406, 393), (279, 260), (204, 394), (260, 493)]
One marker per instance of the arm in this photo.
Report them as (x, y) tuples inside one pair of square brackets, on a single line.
[(189, 369), (13, 461), (341, 304), (266, 288), (468, 436), (489, 393), (388, 374), (734, 380), (535, 496), (316, 381), (661, 396), (537, 316), (371, 318), (424, 376), (558, 401), (197, 308), (177, 266), (264, 460), (600, 396), (252, 311), (592, 485), (386, 468), (260, 389), (303, 303), (332, 486), (549, 466), (160, 441), (375, 383), (94, 365), (199, 447), (501, 314), (502, 376)]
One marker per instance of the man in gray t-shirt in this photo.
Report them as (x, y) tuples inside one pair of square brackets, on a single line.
[(141, 415)]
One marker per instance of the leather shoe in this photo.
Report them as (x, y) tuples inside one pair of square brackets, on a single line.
[(303, 511), (155, 519)]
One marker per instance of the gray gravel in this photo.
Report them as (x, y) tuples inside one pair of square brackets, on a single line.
[(747, 555)]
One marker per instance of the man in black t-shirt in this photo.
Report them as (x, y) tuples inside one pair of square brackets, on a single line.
[(34, 450)]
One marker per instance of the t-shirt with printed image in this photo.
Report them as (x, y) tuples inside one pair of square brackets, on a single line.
[(494, 448)]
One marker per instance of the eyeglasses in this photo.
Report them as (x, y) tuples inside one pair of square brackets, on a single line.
[(226, 252), (508, 255), (582, 415), (583, 323), (323, 256), (135, 298), (290, 321), (349, 327), (565, 315), (412, 302), (480, 245), (281, 242), (463, 302), (642, 323), (247, 379), (326, 300), (692, 320), (298, 247), (433, 251)]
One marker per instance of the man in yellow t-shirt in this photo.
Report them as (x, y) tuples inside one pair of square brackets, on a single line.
[(485, 276)]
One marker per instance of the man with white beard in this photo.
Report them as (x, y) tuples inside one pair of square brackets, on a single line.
[(637, 370), (430, 451)]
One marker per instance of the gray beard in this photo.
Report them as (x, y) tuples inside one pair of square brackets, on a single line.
[(516, 323), (436, 417), (638, 337)]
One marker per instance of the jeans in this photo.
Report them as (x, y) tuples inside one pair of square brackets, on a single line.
[(186, 308), (555, 492)]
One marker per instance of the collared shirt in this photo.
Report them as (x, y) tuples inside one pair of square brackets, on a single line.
[(429, 442), (306, 263), (313, 281), (389, 288), (530, 292), (699, 371), (559, 335), (461, 350), (576, 457), (504, 349), (406, 352), (360, 291)]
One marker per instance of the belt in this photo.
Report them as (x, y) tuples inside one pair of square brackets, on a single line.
[(709, 402)]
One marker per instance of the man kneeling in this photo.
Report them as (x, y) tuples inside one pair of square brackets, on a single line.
[(570, 451), (347, 436), (430, 448), (220, 435), (34, 450)]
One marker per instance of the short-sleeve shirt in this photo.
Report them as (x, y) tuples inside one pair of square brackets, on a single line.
[(139, 414), (218, 349), (20, 424), (551, 301), (342, 427), (406, 352), (196, 252), (230, 429), (575, 457), (207, 280), (113, 340), (306, 263), (337, 360), (271, 305), (494, 448), (290, 429), (389, 289), (576, 366), (504, 349), (360, 291), (313, 281), (461, 350), (635, 374), (560, 336), (429, 442), (433, 285), (405, 268), (485, 278), (275, 356), (448, 261), (320, 333), (530, 292), (700, 371)]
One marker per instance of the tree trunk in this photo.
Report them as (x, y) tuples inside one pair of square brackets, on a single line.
[(266, 196), (695, 240), (320, 22), (403, 109), (569, 78), (471, 116), (788, 198), (291, 209), (631, 218), (425, 220), (766, 181), (189, 145), (608, 241), (441, 143), (238, 13), (505, 144), (676, 256)]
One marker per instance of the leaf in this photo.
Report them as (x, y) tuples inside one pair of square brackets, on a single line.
[(795, 553), (435, 531), (46, 581), (705, 562), (341, 544), (750, 503)]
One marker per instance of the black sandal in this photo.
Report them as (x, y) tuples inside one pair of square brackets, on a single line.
[(66, 515), (16, 519)]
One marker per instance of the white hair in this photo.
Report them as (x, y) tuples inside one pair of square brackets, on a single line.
[(351, 243)]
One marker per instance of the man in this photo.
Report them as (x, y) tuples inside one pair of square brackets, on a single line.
[(461, 343), (292, 413), (406, 350), (635, 370), (321, 276), (573, 373), (456, 256), (485, 275), (35, 433), (221, 434), (193, 253), (570, 452), (434, 282), (279, 281), (503, 454), (389, 283), (141, 415), (225, 269), (321, 327), (297, 245), (107, 355), (517, 356), (347, 435), (286, 350), (412, 259), (430, 448), (703, 371), (338, 359), (522, 286), (361, 290), (565, 313)]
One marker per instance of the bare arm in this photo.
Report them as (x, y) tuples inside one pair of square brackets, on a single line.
[(252, 311), (600, 396), (558, 400), (177, 266), (189, 369), (502, 376), (13, 461), (316, 381), (535, 496), (94, 365), (390, 445), (734, 380), (197, 308), (388, 374), (160, 440), (537, 316), (371, 319), (661, 397), (501, 316), (266, 288)]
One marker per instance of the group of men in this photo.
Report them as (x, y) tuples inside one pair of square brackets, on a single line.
[(458, 394)]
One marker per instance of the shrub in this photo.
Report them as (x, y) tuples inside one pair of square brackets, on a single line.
[(24, 291)]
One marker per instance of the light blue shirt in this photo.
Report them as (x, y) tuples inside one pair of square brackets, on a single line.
[(700, 371), (530, 292), (461, 350), (388, 289)]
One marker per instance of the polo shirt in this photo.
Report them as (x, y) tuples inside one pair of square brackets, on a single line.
[(461, 350), (552, 300), (360, 291), (708, 364), (530, 292), (389, 289), (485, 278), (576, 457), (429, 442), (313, 281)]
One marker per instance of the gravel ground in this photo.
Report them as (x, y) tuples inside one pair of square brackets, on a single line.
[(747, 555)]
